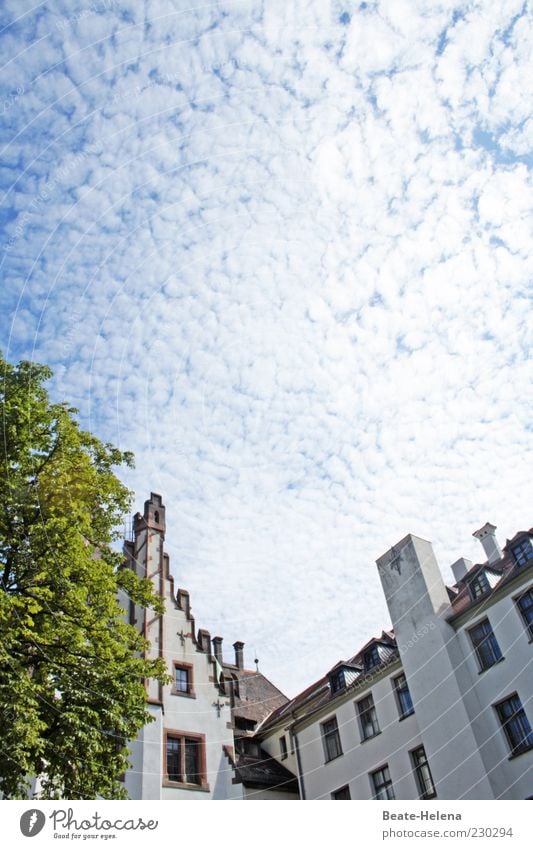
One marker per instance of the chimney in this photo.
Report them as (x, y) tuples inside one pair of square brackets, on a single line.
[(204, 638), (217, 648), (460, 568), (488, 540), (239, 654)]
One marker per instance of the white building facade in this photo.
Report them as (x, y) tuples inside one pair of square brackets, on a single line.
[(189, 750), (439, 707)]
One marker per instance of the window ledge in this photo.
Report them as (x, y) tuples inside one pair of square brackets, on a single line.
[(184, 695), (406, 715), (335, 758), (178, 785), (521, 752), (486, 669), (372, 736)]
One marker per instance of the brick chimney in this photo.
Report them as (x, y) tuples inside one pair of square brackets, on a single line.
[(488, 540), (239, 654)]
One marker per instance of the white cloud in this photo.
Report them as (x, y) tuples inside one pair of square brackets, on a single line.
[(284, 258)]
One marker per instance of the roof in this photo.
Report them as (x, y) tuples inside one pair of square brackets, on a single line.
[(502, 571), (258, 696), (319, 693), (264, 771)]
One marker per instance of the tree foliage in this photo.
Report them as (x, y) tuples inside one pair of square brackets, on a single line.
[(72, 669)]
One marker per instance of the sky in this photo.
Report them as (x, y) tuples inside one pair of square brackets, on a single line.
[(279, 250)]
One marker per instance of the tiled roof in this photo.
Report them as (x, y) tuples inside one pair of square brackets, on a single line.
[(258, 697)]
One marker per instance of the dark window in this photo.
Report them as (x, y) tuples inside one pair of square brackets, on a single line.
[(525, 606), (403, 696), (337, 681), (367, 718), (522, 551), (426, 788), (283, 747), (341, 793), (479, 586), (382, 784), (485, 644), (156, 516), (331, 739), (183, 759), (371, 657), (182, 679), (174, 759), (515, 724)]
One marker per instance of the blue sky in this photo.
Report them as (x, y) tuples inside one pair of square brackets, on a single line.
[(280, 251)]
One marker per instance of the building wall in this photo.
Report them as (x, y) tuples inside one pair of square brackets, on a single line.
[(390, 746), (510, 777), (204, 712)]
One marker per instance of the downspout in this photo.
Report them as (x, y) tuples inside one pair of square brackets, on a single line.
[(294, 737)]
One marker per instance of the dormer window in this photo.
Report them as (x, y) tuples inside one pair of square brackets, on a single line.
[(522, 551), (337, 681), (479, 586), (371, 657)]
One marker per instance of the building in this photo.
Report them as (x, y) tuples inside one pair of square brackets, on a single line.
[(438, 707), (198, 744)]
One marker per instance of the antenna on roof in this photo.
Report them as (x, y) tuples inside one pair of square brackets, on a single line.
[(256, 661)]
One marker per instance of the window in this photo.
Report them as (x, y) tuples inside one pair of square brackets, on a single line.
[(426, 788), (382, 784), (403, 696), (182, 680), (185, 758), (515, 724), (331, 739), (368, 719), (341, 793), (283, 747), (522, 551), (479, 586), (485, 644), (525, 606), (337, 681), (371, 657)]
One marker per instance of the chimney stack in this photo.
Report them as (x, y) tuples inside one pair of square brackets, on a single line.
[(204, 638), (460, 568), (217, 648), (239, 654), (488, 540)]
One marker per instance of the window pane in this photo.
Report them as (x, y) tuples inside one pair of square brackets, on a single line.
[(515, 724), (485, 644), (382, 784), (182, 679), (525, 606), (174, 759), (192, 761)]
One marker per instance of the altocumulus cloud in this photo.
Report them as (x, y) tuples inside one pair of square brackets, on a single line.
[(279, 250)]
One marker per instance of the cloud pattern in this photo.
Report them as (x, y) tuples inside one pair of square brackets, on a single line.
[(280, 251)]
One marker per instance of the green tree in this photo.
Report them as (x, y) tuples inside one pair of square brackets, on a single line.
[(72, 670)]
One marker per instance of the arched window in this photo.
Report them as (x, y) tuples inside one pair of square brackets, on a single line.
[(156, 517)]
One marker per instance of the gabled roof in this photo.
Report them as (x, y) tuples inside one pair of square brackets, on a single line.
[(258, 696)]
